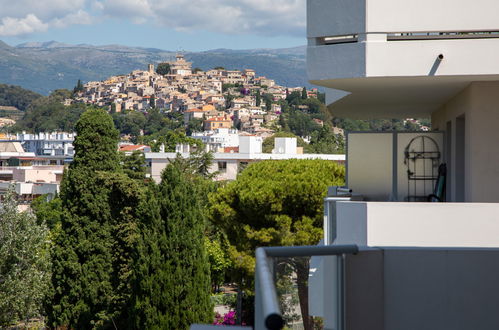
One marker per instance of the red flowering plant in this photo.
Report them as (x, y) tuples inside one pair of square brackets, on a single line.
[(228, 318)]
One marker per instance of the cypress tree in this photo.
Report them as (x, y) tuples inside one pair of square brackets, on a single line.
[(304, 94), (172, 283), (93, 248)]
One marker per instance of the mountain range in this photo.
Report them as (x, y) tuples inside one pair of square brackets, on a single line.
[(46, 66)]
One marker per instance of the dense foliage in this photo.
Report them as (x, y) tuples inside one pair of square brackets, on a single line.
[(163, 68), (172, 286), (275, 203), (16, 96), (49, 114), (24, 263), (93, 249)]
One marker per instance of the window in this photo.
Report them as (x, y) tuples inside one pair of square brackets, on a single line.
[(222, 167)]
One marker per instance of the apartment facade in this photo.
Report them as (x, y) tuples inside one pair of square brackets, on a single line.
[(389, 260)]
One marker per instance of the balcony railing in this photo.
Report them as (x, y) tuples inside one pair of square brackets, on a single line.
[(280, 286)]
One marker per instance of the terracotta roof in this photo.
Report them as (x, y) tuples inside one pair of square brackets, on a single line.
[(231, 149), (132, 147)]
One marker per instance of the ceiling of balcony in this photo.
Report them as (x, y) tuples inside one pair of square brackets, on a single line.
[(390, 97)]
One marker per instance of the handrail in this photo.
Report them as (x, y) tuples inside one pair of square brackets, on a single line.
[(272, 316), (310, 250), (270, 304)]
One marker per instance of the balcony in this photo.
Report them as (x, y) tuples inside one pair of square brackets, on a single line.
[(392, 58), (352, 288)]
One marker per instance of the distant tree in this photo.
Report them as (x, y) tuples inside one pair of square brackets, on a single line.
[(352, 125), (268, 143), (112, 109), (225, 87), (304, 94), (294, 98), (324, 141), (79, 87), (196, 70), (172, 286), (228, 100), (132, 122), (275, 203), (152, 101), (314, 106), (268, 105), (194, 125), (171, 139), (24, 263), (321, 97), (258, 98), (219, 68), (155, 121), (48, 114), (300, 123), (163, 68)]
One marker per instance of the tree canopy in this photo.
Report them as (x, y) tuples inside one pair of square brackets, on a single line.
[(93, 249), (16, 96), (163, 68), (24, 263), (172, 283), (275, 203)]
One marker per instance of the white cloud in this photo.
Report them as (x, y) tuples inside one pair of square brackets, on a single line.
[(23, 17), (45, 10), (21, 26), (262, 17), (79, 17)]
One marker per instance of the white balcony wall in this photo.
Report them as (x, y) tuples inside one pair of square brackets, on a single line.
[(430, 15), (473, 225), (344, 17), (419, 58)]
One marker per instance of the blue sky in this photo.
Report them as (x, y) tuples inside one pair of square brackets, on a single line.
[(190, 25)]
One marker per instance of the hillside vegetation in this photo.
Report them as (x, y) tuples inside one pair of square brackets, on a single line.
[(16, 96)]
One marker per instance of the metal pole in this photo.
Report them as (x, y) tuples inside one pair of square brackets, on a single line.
[(272, 317)]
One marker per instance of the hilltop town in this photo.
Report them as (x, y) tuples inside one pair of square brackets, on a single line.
[(220, 98)]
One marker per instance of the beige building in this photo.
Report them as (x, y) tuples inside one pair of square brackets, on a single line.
[(217, 122)]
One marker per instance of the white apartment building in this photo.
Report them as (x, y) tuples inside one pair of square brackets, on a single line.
[(47, 144), (218, 139), (228, 165), (389, 262)]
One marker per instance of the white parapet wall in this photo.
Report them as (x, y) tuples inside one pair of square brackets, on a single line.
[(387, 224)]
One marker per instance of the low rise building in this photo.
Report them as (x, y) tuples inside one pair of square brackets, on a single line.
[(228, 165)]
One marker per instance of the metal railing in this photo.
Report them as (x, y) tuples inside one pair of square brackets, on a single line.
[(267, 306)]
